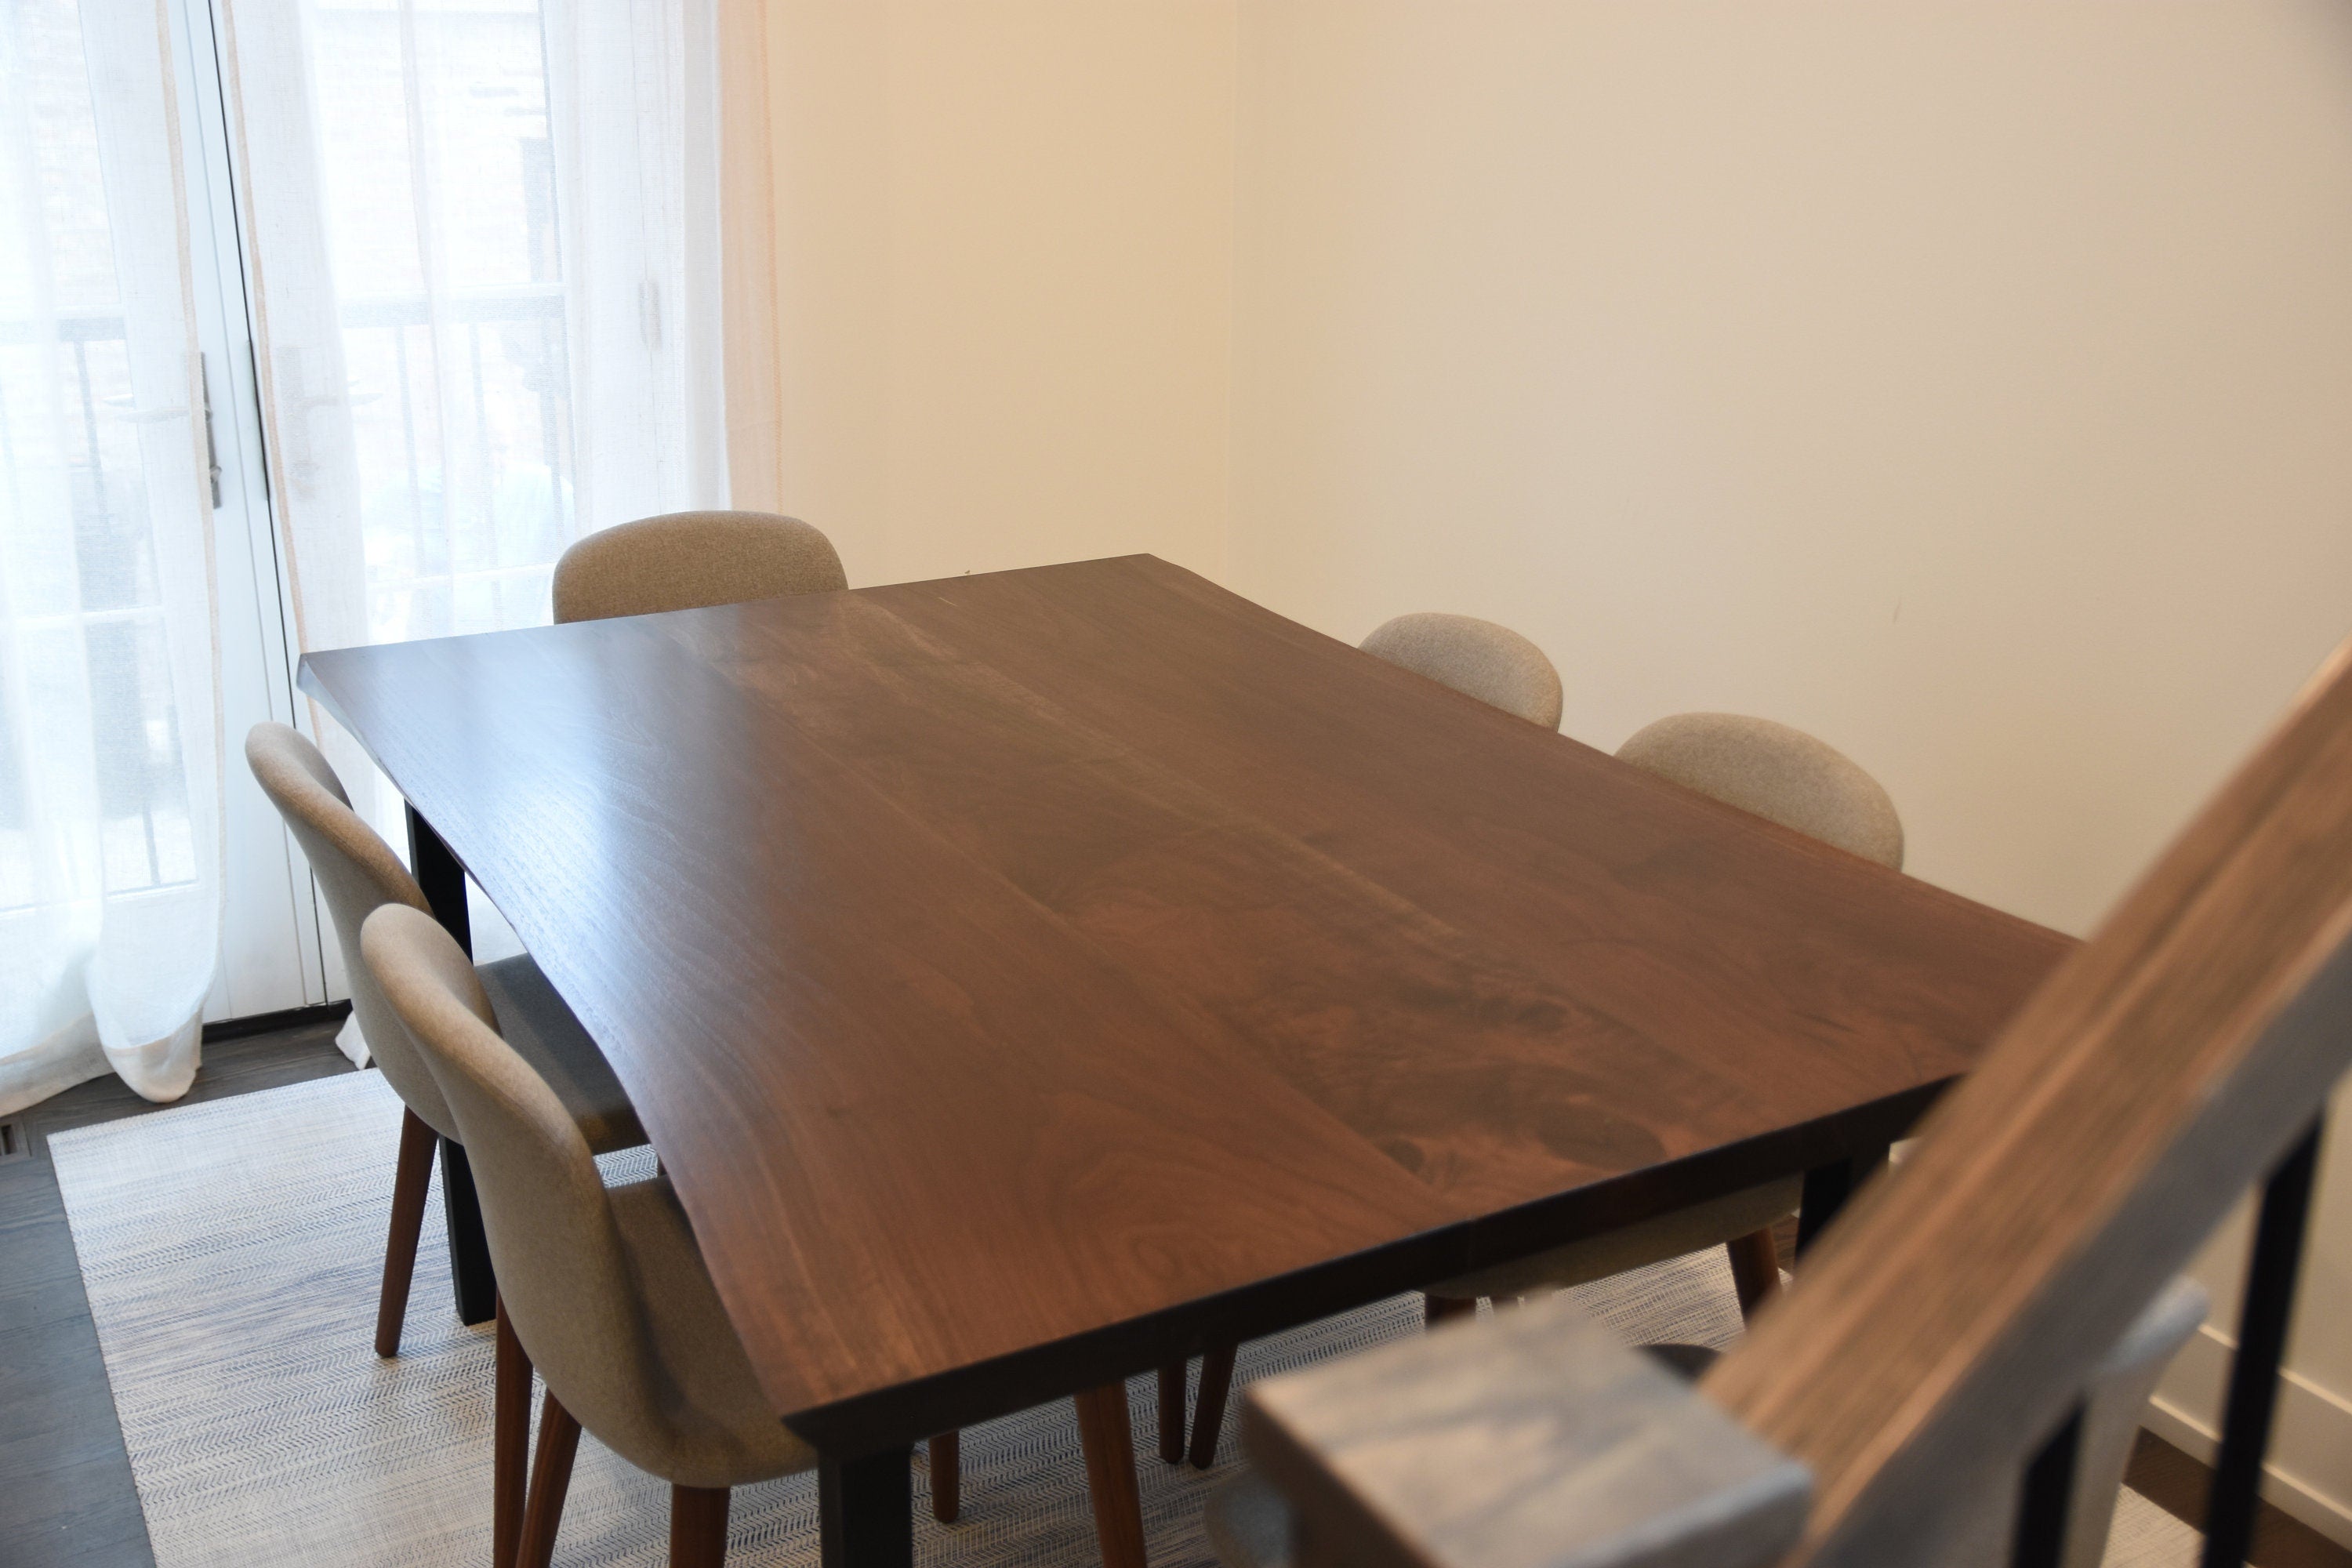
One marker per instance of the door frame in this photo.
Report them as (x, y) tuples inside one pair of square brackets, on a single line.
[(272, 955)]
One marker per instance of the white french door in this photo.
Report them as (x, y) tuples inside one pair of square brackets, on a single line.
[(437, 438), (457, 276), (321, 322), (444, 542), (272, 957)]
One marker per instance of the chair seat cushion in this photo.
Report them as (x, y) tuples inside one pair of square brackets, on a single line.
[(544, 1033), (1655, 1240)]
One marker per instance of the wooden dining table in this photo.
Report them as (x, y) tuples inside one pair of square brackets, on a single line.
[(1029, 979)]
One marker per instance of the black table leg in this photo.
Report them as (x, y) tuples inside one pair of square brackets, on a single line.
[(476, 1287), (444, 881), (469, 1250), (866, 1511), (1827, 1187), (2261, 1341), (2046, 1499)]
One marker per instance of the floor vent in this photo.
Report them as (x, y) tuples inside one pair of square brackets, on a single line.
[(15, 1144)]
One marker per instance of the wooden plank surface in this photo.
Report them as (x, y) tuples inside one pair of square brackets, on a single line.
[(1533, 1440), (1007, 962), (1947, 1323)]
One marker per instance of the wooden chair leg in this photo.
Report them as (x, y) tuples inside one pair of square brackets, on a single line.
[(1440, 1309), (1172, 1412), (1209, 1414), (947, 1476), (411, 1179), (1110, 1475), (1754, 1270), (550, 1478), (697, 1526), (510, 1404)]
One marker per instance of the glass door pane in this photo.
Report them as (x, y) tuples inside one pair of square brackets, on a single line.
[(271, 958)]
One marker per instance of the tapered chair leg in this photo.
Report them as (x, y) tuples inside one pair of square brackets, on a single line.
[(510, 1428), (947, 1476), (411, 1180), (1172, 1412), (698, 1527), (1209, 1414), (550, 1478), (1754, 1270), (1442, 1309), (1109, 1444)]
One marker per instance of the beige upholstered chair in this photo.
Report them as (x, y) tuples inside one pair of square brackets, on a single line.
[(600, 1289), (1785, 776), (604, 1291), (1478, 659), (358, 872), (1782, 774), (687, 560)]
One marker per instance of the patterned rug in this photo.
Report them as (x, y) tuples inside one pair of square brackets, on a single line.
[(231, 1251)]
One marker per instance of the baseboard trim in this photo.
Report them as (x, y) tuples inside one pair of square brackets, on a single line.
[(2311, 1438), (269, 1023)]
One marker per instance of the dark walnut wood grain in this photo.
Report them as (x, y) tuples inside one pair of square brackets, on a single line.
[(1028, 979)]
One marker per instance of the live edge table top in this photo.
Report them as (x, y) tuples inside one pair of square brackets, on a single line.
[(1028, 978)]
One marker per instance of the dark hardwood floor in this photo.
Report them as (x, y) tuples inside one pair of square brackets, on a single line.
[(2177, 1483), (66, 1493)]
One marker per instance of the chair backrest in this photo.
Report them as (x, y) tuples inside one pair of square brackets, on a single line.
[(1782, 774), (358, 873), (1478, 659), (687, 560), (564, 1272)]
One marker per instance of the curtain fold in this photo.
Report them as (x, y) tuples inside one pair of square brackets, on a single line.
[(510, 271), (493, 299), (110, 819), (744, 186)]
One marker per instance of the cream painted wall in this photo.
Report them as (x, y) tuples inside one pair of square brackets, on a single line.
[(1969, 384), (1005, 244)]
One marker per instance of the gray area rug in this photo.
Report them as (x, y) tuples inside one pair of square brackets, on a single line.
[(232, 1251)]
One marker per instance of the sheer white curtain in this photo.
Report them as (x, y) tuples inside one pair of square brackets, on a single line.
[(110, 743), (487, 248)]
